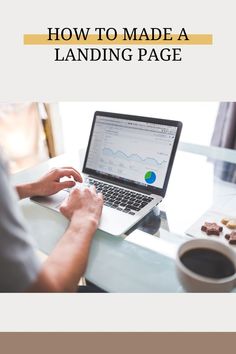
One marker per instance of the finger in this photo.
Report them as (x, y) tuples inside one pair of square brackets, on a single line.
[(101, 202), (75, 192), (93, 189), (87, 191), (64, 204), (62, 208), (67, 172), (100, 197), (76, 172)]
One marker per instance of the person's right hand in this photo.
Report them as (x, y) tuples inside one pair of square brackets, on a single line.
[(84, 204)]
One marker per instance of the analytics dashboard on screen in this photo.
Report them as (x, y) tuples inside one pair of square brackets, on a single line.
[(131, 150)]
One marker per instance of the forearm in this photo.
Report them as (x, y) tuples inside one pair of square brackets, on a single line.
[(67, 263), (25, 190)]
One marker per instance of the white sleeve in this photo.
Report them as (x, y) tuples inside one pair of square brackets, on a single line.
[(19, 265)]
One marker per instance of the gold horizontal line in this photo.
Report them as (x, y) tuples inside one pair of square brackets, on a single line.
[(92, 39)]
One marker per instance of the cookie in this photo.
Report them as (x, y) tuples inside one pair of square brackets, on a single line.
[(231, 224), (231, 237), (211, 228), (225, 221)]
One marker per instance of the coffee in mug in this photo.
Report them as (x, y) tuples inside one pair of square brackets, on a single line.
[(206, 266)]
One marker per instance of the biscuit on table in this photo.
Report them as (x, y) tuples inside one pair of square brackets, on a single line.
[(211, 228), (231, 224), (225, 221), (231, 237)]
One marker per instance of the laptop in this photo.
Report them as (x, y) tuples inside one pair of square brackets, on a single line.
[(129, 160)]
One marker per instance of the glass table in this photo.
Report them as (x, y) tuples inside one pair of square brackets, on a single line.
[(143, 259)]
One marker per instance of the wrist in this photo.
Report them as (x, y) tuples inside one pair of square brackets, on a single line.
[(25, 190), (82, 221)]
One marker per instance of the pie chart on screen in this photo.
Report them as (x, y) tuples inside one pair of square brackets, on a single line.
[(150, 177)]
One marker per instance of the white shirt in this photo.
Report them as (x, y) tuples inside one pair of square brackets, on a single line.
[(19, 265)]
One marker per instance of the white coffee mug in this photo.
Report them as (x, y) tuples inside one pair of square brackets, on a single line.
[(193, 282)]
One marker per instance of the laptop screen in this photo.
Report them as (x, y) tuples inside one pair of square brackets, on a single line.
[(136, 151)]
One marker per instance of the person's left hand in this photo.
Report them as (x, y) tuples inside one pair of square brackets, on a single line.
[(50, 183)]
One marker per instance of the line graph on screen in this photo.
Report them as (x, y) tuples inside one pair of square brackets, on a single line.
[(132, 157)]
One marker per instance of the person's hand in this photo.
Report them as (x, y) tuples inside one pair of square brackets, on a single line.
[(50, 183), (85, 205), (67, 262)]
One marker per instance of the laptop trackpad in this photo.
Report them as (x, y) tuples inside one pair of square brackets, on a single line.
[(116, 222), (53, 201)]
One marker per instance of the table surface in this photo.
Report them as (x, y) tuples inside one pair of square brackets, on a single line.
[(142, 262)]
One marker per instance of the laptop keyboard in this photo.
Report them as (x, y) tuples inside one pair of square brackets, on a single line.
[(121, 199)]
